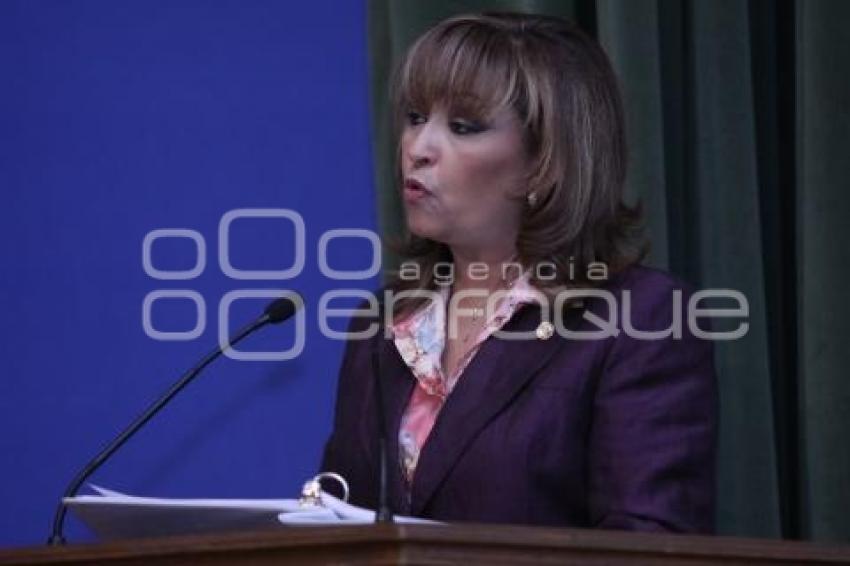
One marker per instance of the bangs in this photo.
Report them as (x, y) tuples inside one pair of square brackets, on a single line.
[(470, 70)]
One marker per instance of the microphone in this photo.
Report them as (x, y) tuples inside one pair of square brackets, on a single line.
[(281, 309), (275, 312), (384, 513)]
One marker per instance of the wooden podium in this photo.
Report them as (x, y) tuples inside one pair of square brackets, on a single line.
[(447, 544)]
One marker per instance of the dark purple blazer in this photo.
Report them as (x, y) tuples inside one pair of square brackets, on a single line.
[(614, 433)]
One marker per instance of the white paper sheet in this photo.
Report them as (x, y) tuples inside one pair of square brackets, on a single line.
[(114, 515)]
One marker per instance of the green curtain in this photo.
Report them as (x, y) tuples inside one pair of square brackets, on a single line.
[(737, 120)]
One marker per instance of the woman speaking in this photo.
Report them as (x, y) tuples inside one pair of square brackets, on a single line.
[(534, 372)]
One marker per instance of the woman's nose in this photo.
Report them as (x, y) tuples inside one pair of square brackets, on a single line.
[(422, 148)]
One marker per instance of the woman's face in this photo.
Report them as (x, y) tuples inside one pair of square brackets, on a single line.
[(463, 179)]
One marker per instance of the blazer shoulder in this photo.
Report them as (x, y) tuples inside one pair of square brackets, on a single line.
[(647, 280), (367, 311)]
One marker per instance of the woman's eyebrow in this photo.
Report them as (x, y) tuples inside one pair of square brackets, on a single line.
[(471, 107)]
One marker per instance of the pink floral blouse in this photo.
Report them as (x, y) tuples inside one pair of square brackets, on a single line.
[(420, 339)]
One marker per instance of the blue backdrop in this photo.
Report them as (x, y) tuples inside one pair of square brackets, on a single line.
[(119, 118)]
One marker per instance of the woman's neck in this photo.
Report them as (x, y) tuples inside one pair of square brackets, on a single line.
[(484, 269)]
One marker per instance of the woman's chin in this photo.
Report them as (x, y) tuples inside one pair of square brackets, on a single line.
[(423, 228)]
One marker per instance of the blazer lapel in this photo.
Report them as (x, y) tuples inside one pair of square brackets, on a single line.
[(494, 376)]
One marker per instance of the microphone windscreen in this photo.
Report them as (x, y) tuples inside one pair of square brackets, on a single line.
[(283, 308)]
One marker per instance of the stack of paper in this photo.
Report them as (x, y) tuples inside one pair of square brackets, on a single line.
[(114, 515)]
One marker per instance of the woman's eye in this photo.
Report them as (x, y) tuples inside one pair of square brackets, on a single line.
[(415, 118), (463, 127)]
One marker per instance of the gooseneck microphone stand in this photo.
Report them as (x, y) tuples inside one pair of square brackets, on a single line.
[(278, 311), (384, 513)]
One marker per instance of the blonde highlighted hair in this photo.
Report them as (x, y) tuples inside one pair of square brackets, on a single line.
[(562, 87)]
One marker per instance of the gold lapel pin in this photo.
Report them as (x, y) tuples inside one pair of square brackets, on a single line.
[(545, 330)]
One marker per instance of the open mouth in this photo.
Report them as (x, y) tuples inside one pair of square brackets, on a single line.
[(414, 190)]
